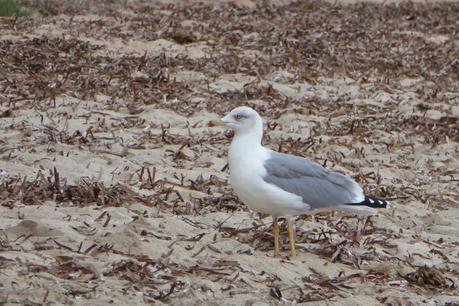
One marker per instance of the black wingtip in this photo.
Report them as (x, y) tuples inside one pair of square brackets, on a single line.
[(373, 203)]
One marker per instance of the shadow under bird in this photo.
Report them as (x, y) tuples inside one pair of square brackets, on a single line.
[(284, 185)]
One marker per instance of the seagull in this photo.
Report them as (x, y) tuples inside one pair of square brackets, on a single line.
[(284, 185)]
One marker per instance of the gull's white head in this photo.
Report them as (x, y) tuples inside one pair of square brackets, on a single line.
[(243, 120)]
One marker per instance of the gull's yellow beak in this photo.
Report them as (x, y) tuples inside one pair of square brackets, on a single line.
[(216, 122)]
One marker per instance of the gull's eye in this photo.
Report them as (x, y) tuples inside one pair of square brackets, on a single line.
[(239, 116)]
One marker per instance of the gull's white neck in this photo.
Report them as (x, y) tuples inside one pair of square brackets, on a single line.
[(246, 143)]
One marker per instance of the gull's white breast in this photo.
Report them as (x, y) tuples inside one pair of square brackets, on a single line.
[(247, 171)]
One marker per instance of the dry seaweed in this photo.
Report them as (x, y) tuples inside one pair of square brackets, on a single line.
[(51, 187), (430, 277)]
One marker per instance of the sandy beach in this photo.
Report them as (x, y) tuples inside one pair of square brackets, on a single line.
[(114, 190)]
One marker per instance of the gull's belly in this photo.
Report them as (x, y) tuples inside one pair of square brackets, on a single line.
[(248, 184)]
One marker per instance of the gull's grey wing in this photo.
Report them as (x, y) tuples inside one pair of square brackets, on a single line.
[(318, 186)]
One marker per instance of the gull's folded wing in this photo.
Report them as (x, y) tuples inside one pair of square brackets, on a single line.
[(319, 187)]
